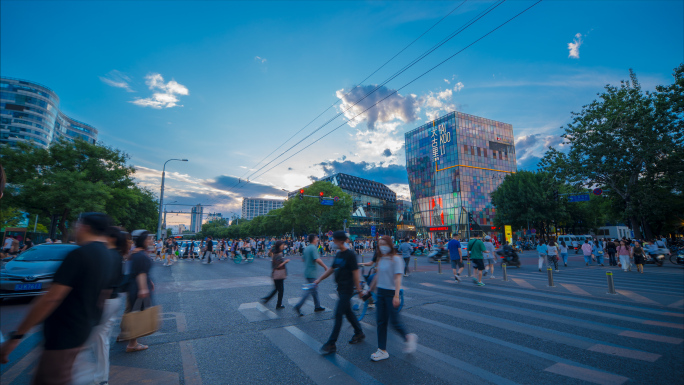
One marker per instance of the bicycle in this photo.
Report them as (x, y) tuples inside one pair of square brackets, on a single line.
[(249, 258), (361, 307)]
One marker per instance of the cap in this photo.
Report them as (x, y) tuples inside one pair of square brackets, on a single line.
[(340, 235), (487, 238), (136, 233)]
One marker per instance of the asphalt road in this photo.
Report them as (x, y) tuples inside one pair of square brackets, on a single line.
[(518, 331)]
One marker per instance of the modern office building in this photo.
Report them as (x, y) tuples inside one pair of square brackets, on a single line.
[(214, 217), (374, 205), (256, 207), (29, 112), (406, 224), (454, 163)]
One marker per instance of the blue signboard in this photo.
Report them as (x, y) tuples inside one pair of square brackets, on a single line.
[(327, 202), (578, 198), (372, 231)]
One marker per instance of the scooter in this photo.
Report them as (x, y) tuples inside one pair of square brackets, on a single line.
[(437, 255), (655, 256), (678, 259), (510, 258)]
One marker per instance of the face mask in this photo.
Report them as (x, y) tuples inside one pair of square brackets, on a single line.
[(385, 249)]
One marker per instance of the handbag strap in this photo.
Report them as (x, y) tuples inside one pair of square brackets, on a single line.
[(141, 303)]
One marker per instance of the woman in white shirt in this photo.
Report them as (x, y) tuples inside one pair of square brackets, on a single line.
[(388, 282), (564, 253), (553, 253)]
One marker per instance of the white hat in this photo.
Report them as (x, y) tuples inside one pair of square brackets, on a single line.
[(487, 238)]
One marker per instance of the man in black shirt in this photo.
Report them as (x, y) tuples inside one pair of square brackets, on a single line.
[(73, 304), (347, 276), (210, 249)]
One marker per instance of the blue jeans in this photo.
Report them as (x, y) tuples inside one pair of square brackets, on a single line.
[(387, 312), (587, 258), (311, 292), (599, 258), (564, 256)]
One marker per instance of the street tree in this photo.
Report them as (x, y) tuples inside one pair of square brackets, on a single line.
[(309, 215), (71, 178), (627, 140)]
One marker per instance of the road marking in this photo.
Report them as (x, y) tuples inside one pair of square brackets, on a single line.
[(574, 289), (353, 371), (125, 375), (584, 374), (523, 349), (664, 324), (181, 323), (622, 352), (191, 374), (247, 309), (680, 315), (679, 303), (598, 326), (652, 337), (211, 284), (334, 296), (523, 283), (427, 284), (21, 365), (541, 332), (637, 297)]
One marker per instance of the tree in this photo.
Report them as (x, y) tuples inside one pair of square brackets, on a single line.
[(10, 216), (628, 141), (71, 178), (309, 215)]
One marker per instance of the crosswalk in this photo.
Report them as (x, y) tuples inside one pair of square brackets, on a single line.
[(503, 333)]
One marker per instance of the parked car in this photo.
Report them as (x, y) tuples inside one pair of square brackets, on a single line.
[(32, 271)]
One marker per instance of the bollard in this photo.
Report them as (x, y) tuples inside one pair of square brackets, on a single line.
[(611, 284), (505, 274), (415, 264), (362, 258), (469, 273), (439, 266), (550, 272)]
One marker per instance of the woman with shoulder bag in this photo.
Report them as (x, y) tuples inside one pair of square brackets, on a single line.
[(141, 285), (279, 274)]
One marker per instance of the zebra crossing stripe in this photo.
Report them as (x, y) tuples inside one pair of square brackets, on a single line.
[(574, 289), (523, 283), (579, 371), (637, 297)]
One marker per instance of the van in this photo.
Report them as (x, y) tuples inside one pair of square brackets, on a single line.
[(568, 239), (581, 238)]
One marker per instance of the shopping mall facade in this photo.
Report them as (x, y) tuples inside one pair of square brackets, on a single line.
[(454, 163)]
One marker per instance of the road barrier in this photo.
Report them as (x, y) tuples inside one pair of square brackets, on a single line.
[(611, 284), (415, 264), (439, 266), (470, 274), (505, 274), (550, 273)]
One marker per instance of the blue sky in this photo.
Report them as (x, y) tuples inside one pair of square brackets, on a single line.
[(225, 83)]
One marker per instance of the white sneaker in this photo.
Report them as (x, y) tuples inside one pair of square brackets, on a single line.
[(411, 343), (491, 276), (380, 355)]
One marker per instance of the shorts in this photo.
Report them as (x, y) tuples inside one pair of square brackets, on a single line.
[(479, 264), (489, 261), (456, 263)]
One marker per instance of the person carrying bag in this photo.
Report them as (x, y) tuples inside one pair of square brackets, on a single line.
[(141, 321)]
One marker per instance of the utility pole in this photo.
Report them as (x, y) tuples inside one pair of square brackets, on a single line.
[(161, 196)]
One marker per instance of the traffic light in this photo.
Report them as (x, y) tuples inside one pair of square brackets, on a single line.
[(301, 194), (320, 196), (368, 205), (470, 218)]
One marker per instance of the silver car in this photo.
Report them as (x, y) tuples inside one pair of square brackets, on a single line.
[(32, 271)]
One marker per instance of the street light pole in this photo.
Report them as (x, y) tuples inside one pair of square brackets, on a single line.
[(161, 196)]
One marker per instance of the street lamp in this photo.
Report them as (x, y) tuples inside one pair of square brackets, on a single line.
[(161, 196)]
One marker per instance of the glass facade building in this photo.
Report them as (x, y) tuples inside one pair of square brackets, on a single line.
[(374, 205), (29, 112), (454, 163), (255, 207)]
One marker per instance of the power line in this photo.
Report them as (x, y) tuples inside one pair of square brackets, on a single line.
[(404, 86)]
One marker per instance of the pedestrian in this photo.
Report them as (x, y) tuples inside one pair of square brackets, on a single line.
[(564, 253), (405, 249), (587, 251), (611, 249), (388, 283), (489, 255), (311, 256), (169, 252), (455, 256), (638, 255), (7, 246), (141, 285), (347, 277), (552, 253), (208, 250), (28, 243), (575, 245), (72, 306), (98, 342), (476, 249), (624, 252), (278, 273), (597, 250)]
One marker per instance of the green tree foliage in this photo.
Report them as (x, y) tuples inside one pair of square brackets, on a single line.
[(10, 216), (70, 178), (630, 142)]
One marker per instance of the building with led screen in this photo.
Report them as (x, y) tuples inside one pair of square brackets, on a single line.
[(454, 163)]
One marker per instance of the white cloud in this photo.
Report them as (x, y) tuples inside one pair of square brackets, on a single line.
[(458, 87), (402, 190), (117, 79), (447, 81), (438, 103), (260, 59), (166, 95), (395, 106), (574, 46)]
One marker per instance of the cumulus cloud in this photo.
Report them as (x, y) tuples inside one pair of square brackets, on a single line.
[(574, 46), (379, 172), (447, 81), (458, 87), (166, 95), (387, 153), (529, 149), (117, 79), (260, 59), (395, 106)]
